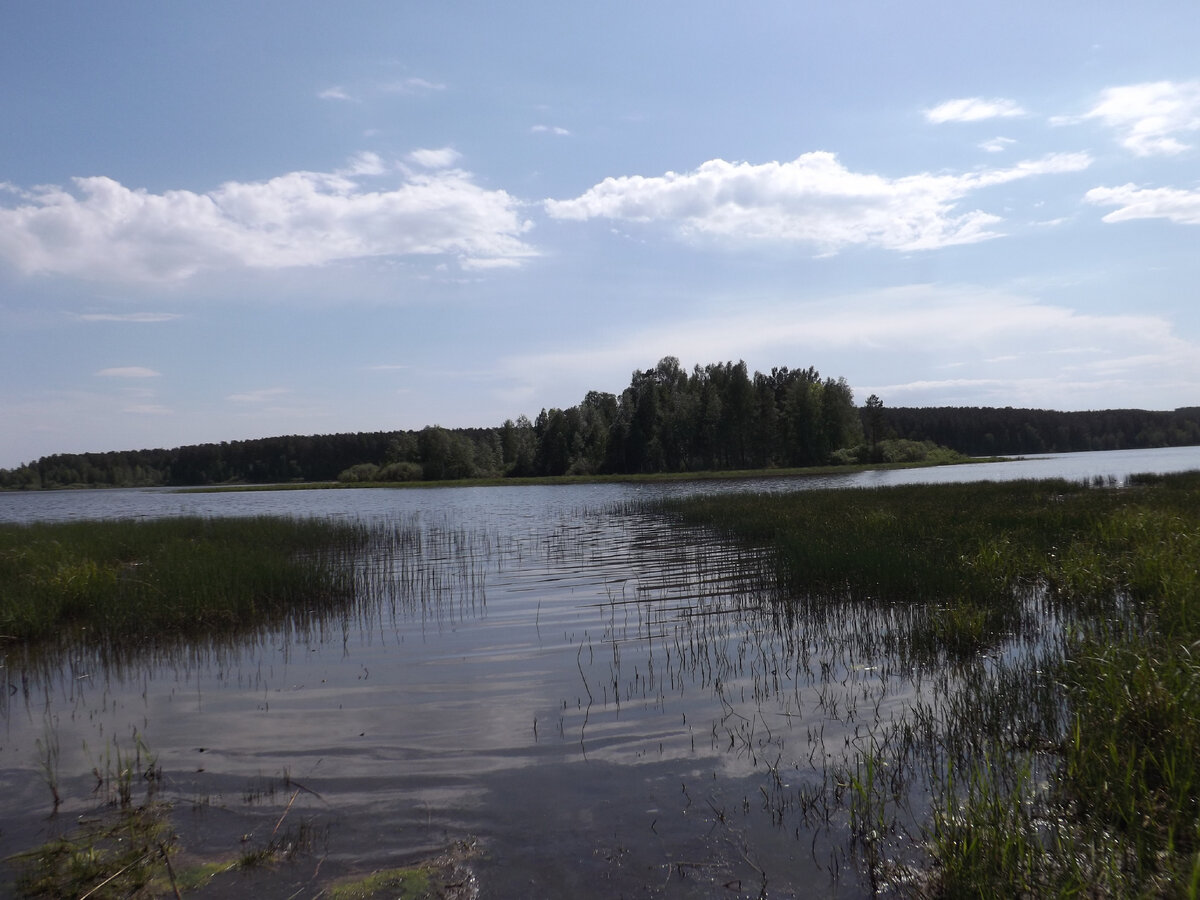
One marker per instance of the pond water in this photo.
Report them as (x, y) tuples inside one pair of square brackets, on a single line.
[(604, 707)]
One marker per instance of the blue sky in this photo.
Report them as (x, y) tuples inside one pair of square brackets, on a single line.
[(232, 220)]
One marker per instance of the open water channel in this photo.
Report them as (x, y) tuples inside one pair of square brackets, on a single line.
[(597, 705)]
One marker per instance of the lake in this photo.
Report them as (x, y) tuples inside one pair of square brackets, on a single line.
[(601, 706)]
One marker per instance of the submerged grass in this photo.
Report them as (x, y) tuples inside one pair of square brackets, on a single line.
[(127, 855), (111, 582), (1066, 763)]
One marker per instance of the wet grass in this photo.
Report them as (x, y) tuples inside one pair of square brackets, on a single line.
[(123, 856), (1059, 752), (445, 877), (122, 849), (114, 583)]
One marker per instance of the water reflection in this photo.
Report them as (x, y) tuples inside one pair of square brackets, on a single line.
[(610, 707)]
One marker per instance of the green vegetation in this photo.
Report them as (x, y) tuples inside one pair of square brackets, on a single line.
[(126, 855), (937, 457), (402, 884), (129, 848), (122, 852), (116, 584), (1061, 624), (445, 877), (894, 451), (984, 431)]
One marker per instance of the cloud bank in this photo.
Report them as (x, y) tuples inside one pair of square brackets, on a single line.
[(1016, 349), (813, 199), (104, 230)]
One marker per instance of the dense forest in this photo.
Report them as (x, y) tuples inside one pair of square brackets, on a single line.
[(667, 420), (987, 431)]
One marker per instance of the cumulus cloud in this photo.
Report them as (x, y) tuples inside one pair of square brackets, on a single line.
[(550, 129), (1132, 202), (972, 109), (1149, 116), (99, 228), (813, 199), (129, 372)]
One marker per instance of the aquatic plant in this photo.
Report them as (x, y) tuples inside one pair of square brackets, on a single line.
[(1060, 623), (115, 582)]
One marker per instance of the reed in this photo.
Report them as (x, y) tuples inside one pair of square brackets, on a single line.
[(120, 583), (1060, 754)]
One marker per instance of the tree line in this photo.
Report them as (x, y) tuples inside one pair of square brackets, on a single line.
[(668, 419), (987, 431)]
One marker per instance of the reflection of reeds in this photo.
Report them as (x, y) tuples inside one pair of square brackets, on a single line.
[(1055, 747)]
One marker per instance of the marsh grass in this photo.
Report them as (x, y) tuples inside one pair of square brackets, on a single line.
[(123, 593), (1059, 753), (118, 584), (123, 849), (105, 857)]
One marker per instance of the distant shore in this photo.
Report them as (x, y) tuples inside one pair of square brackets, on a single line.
[(650, 477)]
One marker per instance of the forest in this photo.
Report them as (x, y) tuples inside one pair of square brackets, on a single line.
[(715, 417)]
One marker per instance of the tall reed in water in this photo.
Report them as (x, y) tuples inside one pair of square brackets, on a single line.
[(1069, 768)]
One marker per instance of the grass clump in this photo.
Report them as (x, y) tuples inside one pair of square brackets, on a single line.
[(444, 877), (396, 884), (123, 856), (958, 557), (103, 583)]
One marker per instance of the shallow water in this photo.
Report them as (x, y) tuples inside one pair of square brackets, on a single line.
[(604, 707)]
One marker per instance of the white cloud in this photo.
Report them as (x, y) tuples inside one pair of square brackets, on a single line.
[(413, 86), (141, 317), (129, 372), (365, 163), (972, 109), (441, 158), (1149, 116), (336, 93), (813, 199), (1182, 207), (106, 230), (996, 144), (550, 129)]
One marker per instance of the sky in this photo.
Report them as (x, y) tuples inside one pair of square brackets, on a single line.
[(230, 220)]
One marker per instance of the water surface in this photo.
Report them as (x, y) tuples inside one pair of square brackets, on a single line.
[(603, 706)]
